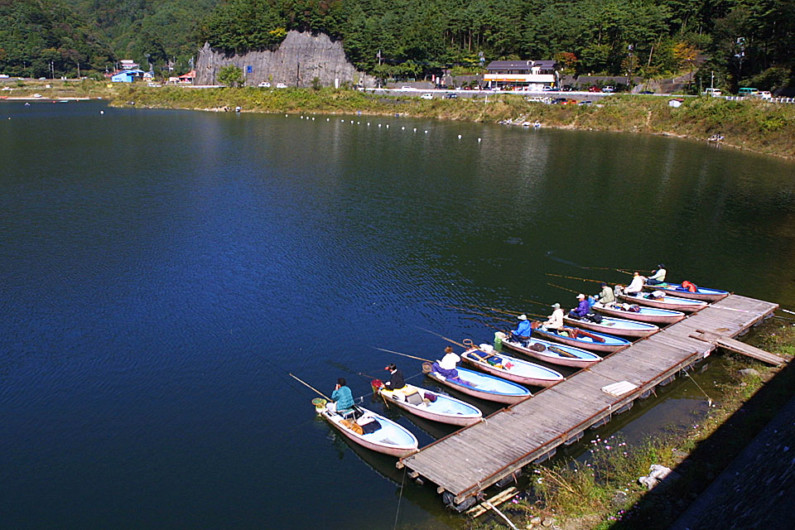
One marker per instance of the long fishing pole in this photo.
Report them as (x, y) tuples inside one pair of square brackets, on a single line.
[(310, 386), (403, 354), (573, 277), (443, 337), (561, 287)]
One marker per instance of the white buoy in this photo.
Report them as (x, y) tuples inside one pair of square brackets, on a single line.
[(379, 125), (459, 136), (426, 131), (285, 115), (415, 129), (479, 140), (402, 128), (101, 112), (368, 123), (387, 126), (327, 119)]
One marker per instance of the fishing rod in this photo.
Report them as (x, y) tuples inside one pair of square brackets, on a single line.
[(479, 307), (536, 302), (443, 337), (403, 354), (574, 278), (310, 386), (561, 287)]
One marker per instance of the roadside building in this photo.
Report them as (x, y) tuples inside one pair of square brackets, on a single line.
[(187, 79), (530, 76), (127, 76)]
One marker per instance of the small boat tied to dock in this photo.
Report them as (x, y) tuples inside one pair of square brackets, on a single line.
[(481, 386), (652, 315), (486, 359), (370, 429), (560, 354), (587, 340), (661, 300), (689, 290), (430, 405), (619, 327)]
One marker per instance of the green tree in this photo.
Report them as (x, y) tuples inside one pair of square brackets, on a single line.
[(231, 76)]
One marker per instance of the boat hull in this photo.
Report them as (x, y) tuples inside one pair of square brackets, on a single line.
[(704, 294), (610, 345), (433, 413), (669, 302), (650, 315), (377, 443), (620, 327), (482, 393), (581, 359), (526, 373)]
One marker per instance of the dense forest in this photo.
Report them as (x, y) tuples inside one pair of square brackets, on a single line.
[(744, 42)]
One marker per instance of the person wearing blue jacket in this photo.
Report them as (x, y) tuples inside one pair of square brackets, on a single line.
[(342, 397), (582, 309), (523, 331)]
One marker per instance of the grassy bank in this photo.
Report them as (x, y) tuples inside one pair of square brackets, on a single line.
[(753, 125), (605, 492)]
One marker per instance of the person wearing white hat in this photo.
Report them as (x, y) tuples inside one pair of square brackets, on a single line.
[(582, 309), (523, 331), (555, 320)]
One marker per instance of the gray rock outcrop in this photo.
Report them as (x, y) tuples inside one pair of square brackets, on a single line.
[(300, 58)]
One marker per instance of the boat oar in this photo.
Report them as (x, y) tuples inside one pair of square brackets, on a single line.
[(310, 386), (573, 277), (403, 354)]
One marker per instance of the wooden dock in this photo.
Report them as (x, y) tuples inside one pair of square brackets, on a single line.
[(465, 463)]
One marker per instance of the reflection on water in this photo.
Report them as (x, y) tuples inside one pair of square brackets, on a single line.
[(163, 272)]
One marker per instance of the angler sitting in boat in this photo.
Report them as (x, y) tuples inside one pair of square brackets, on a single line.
[(636, 285), (523, 331), (341, 399), (555, 320), (582, 309), (657, 277), (396, 380), (447, 366), (606, 296)]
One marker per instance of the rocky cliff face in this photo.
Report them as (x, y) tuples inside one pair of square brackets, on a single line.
[(300, 58)]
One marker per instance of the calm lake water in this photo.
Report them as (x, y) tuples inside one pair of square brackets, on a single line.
[(163, 272)]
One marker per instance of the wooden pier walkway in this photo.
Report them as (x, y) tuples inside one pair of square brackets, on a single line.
[(470, 460)]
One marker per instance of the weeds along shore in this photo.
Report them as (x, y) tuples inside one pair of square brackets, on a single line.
[(752, 124)]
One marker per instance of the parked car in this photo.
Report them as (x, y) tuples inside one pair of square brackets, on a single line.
[(451, 96), (281, 85), (548, 88), (594, 89), (406, 87), (566, 88), (609, 89), (427, 96), (764, 94), (646, 92), (714, 92), (264, 84), (585, 102)]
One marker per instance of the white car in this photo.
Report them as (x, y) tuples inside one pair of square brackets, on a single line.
[(714, 92), (406, 88), (264, 84), (609, 89), (764, 94), (281, 85), (427, 96)]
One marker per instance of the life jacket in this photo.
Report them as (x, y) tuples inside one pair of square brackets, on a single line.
[(690, 286)]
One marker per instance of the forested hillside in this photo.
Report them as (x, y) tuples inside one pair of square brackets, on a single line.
[(46, 38), (745, 42), (749, 41)]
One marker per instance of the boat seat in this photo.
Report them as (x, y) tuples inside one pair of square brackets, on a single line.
[(415, 398)]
